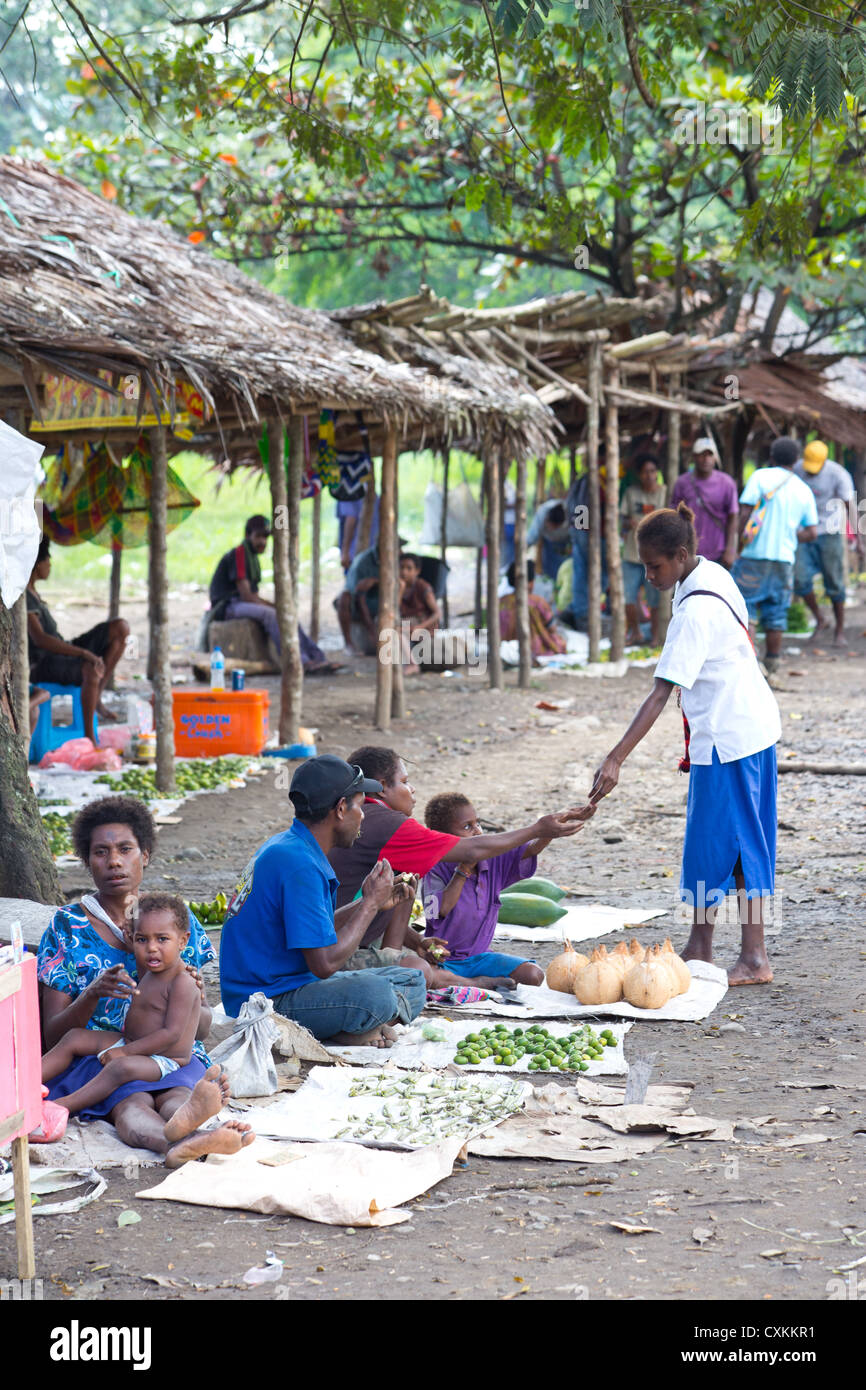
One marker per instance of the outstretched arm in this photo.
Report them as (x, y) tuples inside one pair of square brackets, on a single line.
[(607, 775), (471, 849)]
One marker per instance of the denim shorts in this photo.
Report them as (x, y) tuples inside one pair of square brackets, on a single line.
[(825, 556), (767, 587), (633, 576)]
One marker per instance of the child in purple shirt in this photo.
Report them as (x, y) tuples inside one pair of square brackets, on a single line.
[(462, 903)]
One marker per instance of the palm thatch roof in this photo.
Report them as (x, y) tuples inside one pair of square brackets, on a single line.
[(86, 288)]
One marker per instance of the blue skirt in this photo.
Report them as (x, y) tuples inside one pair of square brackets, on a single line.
[(84, 1069), (731, 815)]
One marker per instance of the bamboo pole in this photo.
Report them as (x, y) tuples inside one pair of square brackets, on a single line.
[(443, 530), (316, 582), (398, 697), (521, 587), (160, 637), (615, 588), (478, 556), (594, 503), (494, 527), (387, 653)]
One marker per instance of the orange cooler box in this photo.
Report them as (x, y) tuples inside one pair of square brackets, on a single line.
[(209, 723)]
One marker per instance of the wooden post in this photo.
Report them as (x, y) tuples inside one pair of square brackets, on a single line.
[(540, 495), (21, 671), (443, 529), (594, 502), (114, 582), (478, 616), (23, 1208), (672, 472), (285, 593), (398, 698), (316, 581), (614, 563), (494, 532), (365, 525), (521, 590), (151, 620), (387, 582), (572, 464), (160, 636)]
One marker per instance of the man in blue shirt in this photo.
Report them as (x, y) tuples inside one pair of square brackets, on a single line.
[(283, 937), (764, 573)]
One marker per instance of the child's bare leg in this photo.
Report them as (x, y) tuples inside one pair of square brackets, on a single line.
[(752, 966), (114, 1074), (78, 1042)]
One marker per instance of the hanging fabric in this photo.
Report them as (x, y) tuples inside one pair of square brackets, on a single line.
[(355, 468)]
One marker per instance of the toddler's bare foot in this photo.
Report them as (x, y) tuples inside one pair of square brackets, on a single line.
[(207, 1099), (226, 1139), (383, 1036), (750, 971)]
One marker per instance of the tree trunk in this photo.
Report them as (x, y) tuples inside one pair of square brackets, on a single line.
[(521, 589), (443, 530), (365, 526), (672, 472), (614, 563), (398, 698), (285, 594), (316, 582), (160, 635), (389, 652), (594, 502), (26, 866), (494, 529), (21, 671)]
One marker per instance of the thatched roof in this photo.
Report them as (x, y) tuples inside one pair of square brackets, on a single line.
[(86, 287)]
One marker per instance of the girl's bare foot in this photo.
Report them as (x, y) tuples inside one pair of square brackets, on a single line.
[(226, 1139), (383, 1036), (207, 1099), (750, 970)]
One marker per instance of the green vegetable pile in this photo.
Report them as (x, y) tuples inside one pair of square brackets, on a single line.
[(427, 1107), (211, 914), (57, 833), (505, 1046), (191, 775)]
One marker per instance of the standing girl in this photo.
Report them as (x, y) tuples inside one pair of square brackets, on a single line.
[(731, 731)]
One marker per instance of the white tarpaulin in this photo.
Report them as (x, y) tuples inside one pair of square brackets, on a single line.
[(709, 986), (339, 1184), (19, 525), (581, 923), (411, 1049), (324, 1108)]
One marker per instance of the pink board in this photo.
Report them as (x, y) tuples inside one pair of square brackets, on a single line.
[(20, 1052)]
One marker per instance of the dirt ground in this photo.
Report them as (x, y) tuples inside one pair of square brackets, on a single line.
[(772, 1215)]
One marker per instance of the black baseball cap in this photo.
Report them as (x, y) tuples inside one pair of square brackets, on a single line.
[(321, 782)]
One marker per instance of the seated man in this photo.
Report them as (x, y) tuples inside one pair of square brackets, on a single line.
[(283, 937), (359, 601), (234, 593)]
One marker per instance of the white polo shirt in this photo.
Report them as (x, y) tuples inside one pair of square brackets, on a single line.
[(728, 704)]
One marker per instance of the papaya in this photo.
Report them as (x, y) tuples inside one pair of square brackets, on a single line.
[(544, 887), (528, 910)]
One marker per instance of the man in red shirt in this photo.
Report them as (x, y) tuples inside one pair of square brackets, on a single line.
[(390, 832)]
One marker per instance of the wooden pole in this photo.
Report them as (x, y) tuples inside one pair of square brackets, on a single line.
[(316, 583), (389, 652), (21, 670), (478, 556), (160, 636), (365, 525), (494, 531), (540, 494), (443, 530), (151, 619), (672, 472), (23, 1208), (285, 593), (614, 563), (572, 464), (521, 589), (594, 503), (398, 698), (114, 582)]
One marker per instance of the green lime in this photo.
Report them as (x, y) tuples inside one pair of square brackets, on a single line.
[(583, 1066)]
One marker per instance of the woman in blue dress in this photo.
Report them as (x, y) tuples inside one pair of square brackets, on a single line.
[(87, 976)]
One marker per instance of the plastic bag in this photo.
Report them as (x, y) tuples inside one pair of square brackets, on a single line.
[(464, 522), (246, 1053), (80, 754), (115, 736)]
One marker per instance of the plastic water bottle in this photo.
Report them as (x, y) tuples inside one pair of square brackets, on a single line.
[(217, 670)]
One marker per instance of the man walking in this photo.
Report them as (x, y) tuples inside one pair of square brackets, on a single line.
[(777, 510), (712, 495), (833, 489)]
